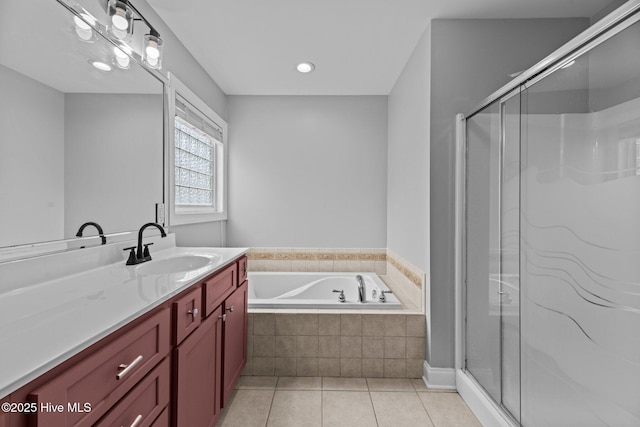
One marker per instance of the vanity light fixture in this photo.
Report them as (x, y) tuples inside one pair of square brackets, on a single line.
[(152, 54), (122, 14), (121, 19), (305, 67)]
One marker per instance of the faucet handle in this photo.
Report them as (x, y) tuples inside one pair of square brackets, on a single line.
[(341, 297), (383, 297), (132, 255), (146, 255)]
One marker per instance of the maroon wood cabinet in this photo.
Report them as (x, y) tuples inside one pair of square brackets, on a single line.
[(174, 366)]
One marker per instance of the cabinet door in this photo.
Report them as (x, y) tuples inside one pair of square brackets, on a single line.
[(235, 339), (197, 369)]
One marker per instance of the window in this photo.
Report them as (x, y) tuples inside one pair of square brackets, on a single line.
[(197, 156)]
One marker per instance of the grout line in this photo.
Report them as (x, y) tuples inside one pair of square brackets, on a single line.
[(321, 401), (273, 396), (426, 410), (375, 415)]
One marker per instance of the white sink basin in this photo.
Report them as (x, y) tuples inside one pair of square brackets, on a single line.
[(175, 264)]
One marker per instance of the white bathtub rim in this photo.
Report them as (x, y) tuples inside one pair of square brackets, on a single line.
[(282, 301)]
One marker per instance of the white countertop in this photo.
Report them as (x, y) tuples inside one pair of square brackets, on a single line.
[(43, 324)]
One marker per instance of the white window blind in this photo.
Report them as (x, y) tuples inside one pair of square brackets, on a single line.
[(197, 143)]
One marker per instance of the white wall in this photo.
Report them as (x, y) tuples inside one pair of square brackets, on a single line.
[(307, 171), (32, 123)]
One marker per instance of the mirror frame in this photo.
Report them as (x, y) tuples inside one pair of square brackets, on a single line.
[(35, 249)]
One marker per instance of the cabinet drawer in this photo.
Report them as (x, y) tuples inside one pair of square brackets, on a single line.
[(218, 287), (101, 379), (242, 270), (186, 314), (163, 420), (142, 405)]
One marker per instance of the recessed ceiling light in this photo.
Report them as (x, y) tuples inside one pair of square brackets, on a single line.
[(100, 65), (305, 67)]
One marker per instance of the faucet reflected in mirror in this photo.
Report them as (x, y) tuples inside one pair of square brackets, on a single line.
[(139, 255), (97, 226)]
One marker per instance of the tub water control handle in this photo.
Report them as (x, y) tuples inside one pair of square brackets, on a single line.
[(383, 297), (341, 297)]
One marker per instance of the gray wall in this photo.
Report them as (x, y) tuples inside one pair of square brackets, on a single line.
[(470, 59), (459, 63), (408, 159), (181, 63), (113, 160), (31, 160), (307, 171)]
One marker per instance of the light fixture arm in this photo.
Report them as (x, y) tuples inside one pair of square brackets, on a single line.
[(152, 30)]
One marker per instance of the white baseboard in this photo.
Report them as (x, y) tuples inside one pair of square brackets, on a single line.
[(482, 407), (439, 378)]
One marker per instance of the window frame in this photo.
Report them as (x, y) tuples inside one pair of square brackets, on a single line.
[(178, 215)]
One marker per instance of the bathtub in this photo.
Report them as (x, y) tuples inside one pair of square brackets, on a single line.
[(315, 290)]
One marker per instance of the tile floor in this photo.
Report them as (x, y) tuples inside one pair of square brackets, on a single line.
[(348, 402)]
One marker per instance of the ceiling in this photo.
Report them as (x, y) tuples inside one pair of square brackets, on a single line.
[(359, 47)]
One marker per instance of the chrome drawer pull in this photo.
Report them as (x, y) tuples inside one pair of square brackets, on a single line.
[(230, 309), (193, 312), (127, 368), (136, 421)]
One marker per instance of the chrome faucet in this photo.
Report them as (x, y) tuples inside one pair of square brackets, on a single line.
[(362, 289), (142, 255), (97, 226)]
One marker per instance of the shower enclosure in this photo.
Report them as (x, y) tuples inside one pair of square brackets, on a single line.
[(549, 237)]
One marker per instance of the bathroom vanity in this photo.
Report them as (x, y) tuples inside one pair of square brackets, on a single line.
[(164, 348)]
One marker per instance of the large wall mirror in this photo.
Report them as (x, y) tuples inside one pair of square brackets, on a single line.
[(77, 143)]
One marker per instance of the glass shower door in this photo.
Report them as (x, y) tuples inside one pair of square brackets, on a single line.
[(492, 343), (482, 258), (580, 238)]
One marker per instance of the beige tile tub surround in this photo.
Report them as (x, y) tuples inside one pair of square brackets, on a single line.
[(336, 345), (318, 259), (406, 281)]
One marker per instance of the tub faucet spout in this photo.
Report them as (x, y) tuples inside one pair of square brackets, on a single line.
[(362, 289)]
